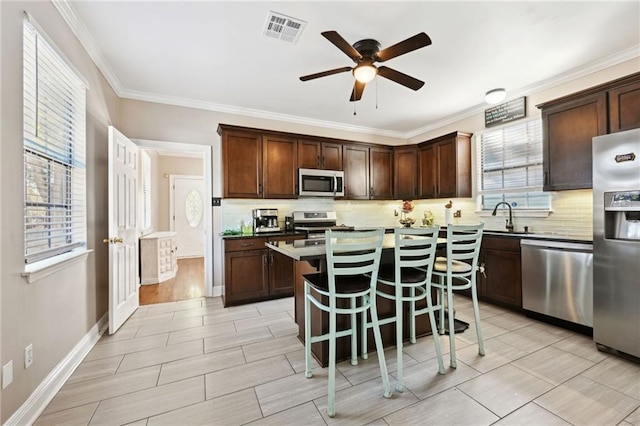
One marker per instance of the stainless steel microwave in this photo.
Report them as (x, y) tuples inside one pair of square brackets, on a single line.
[(321, 183)]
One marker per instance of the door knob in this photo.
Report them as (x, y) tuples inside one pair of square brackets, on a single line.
[(113, 240)]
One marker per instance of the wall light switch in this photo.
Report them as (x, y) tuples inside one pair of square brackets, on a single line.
[(7, 374)]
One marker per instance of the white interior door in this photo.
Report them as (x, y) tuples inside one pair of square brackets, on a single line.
[(187, 214), (123, 229)]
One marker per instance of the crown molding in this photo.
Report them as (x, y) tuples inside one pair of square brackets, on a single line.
[(247, 112), (573, 74), (87, 41), (82, 33)]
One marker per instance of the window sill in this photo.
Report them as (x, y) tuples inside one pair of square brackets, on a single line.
[(516, 213), (38, 270)]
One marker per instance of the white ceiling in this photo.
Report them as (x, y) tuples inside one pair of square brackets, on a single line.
[(213, 54)]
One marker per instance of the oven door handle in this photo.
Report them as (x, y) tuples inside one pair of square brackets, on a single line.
[(335, 185)]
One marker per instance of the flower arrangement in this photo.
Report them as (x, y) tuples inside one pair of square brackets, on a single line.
[(407, 207)]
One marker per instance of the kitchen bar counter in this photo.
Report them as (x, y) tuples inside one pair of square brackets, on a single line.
[(310, 257), (262, 235)]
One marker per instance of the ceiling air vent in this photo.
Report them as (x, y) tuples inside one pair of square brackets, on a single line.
[(283, 27)]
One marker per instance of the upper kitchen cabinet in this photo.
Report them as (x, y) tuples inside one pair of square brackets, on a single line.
[(569, 124), (319, 155), (405, 172), (624, 107), (258, 164), (444, 166), (241, 163), (279, 163), (381, 173), (567, 130), (368, 172)]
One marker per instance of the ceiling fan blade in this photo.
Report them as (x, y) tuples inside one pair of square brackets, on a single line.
[(406, 46), (356, 93), (400, 78), (325, 73), (342, 44)]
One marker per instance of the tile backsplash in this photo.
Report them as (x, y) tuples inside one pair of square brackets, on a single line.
[(571, 216)]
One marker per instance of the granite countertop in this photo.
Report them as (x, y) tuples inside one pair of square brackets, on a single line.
[(263, 234)]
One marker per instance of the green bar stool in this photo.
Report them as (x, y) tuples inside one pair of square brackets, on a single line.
[(353, 259), (406, 280), (457, 271)]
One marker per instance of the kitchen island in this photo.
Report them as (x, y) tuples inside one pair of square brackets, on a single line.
[(310, 257)]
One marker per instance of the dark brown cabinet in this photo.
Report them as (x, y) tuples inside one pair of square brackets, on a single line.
[(444, 166), (368, 172), (500, 277), (253, 273), (319, 155), (405, 172), (279, 163), (567, 132), (381, 173), (258, 164), (624, 107), (569, 124), (242, 164)]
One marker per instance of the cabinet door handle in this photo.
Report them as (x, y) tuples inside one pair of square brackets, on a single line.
[(246, 244), (318, 162), (264, 259), (322, 163), (546, 178), (271, 259), (371, 193)]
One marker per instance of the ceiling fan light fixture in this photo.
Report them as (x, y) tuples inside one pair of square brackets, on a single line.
[(495, 95), (365, 73)]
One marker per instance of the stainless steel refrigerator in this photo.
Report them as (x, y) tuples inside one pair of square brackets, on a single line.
[(616, 241)]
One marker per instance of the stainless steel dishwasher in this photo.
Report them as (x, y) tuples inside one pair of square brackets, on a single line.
[(557, 279)]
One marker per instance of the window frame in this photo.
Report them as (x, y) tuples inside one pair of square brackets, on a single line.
[(53, 138), (533, 130)]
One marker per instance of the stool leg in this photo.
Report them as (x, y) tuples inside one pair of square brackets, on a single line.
[(476, 315), (365, 328), (441, 303), (412, 315), (307, 332), (399, 384), (379, 348), (436, 337), (354, 333), (452, 328), (331, 394)]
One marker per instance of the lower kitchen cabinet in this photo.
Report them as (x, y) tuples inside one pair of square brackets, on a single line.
[(501, 279), (253, 273)]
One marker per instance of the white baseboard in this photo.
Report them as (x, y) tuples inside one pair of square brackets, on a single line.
[(28, 412)]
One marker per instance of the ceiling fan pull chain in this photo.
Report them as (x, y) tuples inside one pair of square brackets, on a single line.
[(376, 93), (354, 108)]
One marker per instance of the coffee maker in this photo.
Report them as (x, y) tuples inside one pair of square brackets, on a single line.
[(265, 220)]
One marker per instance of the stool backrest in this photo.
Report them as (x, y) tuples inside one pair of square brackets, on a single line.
[(463, 244), (415, 248), (353, 253)]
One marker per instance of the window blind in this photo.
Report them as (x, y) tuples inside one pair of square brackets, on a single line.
[(54, 151), (510, 167)]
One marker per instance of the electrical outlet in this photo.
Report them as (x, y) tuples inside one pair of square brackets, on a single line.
[(7, 374), (457, 213), (28, 355)]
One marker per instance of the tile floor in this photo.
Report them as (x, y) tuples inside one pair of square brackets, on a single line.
[(194, 362)]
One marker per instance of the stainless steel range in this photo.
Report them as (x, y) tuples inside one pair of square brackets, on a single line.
[(314, 223)]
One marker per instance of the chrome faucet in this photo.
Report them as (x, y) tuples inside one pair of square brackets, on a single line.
[(509, 224)]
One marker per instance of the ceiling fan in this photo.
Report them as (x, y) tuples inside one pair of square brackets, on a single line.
[(364, 53)]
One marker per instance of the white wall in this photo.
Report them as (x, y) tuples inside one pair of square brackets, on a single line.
[(55, 312)]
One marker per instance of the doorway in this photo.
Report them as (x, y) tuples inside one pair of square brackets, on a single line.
[(178, 207)]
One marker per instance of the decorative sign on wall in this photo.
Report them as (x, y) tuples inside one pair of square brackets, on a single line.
[(505, 112)]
